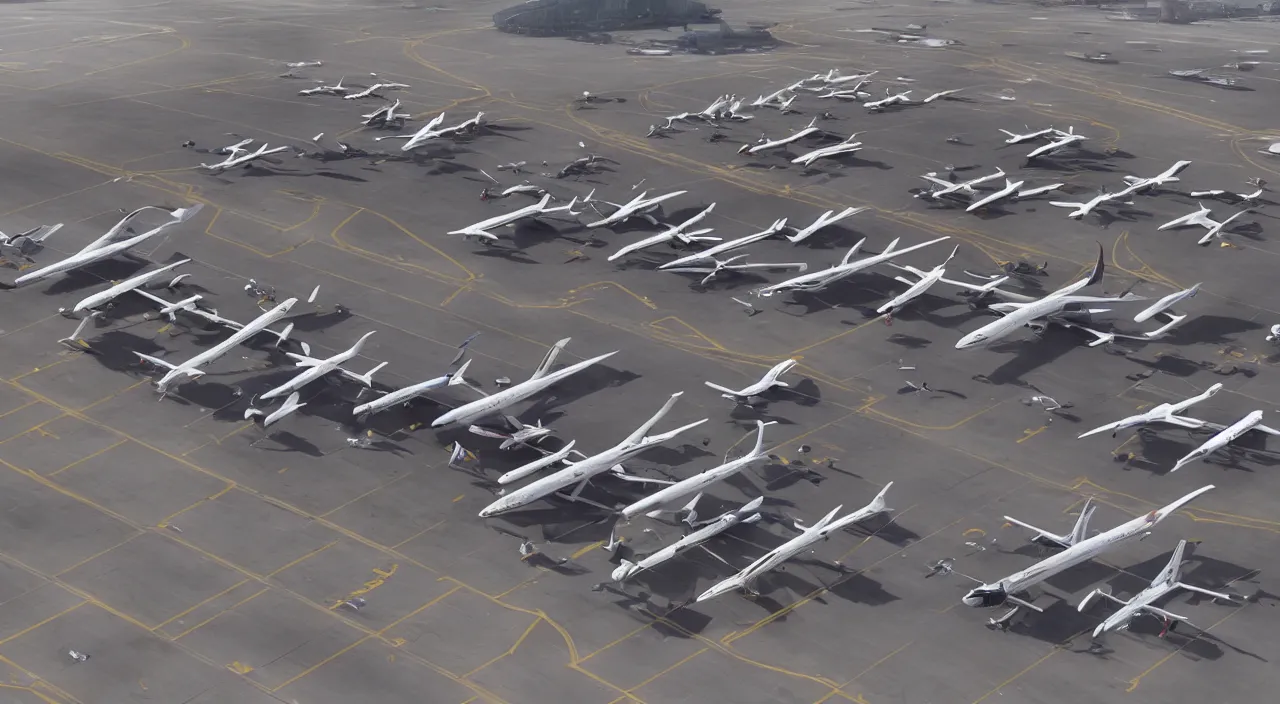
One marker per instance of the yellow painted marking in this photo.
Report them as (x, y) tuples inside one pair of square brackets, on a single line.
[(239, 668), (220, 594), (1028, 434), (586, 549), (33, 627), (1024, 671), (974, 531), (86, 458), (458, 498), (380, 578), (302, 559)]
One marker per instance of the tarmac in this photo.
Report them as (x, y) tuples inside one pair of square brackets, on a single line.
[(197, 559)]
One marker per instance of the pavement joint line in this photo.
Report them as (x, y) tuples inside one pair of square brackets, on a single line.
[(88, 457)]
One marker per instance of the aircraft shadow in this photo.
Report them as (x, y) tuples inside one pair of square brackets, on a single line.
[(1033, 354), (1210, 329), (103, 272), (586, 382)]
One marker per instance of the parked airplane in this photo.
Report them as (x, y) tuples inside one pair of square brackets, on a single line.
[(768, 381), (335, 89), (1082, 209), (242, 159), (1224, 437), (771, 560), (386, 115), (286, 409), (654, 504), (674, 232), (579, 473), (710, 253), (715, 267), (819, 280), (927, 280), (316, 368), (1019, 138), (1143, 603), (1065, 139), (636, 207), (848, 146), (940, 94), (89, 306), (426, 132), (777, 143), (825, 219), (747, 514), (1201, 218), (190, 369), (1006, 591), (493, 404), (374, 89), (1079, 533), (1163, 413), (103, 248), (847, 94), (542, 207), (404, 395), (1238, 198), (893, 98), (1032, 312), (1138, 184), (777, 96), (1010, 188), (963, 188), (527, 435)]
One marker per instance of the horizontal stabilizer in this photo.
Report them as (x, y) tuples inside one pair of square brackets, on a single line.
[(156, 361)]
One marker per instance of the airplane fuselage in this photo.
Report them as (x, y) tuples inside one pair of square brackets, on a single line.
[(487, 406), (398, 396)]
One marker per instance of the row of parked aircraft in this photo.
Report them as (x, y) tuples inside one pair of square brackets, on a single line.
[(567, 472)]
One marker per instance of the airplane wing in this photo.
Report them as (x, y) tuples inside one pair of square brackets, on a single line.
[(1266, 429), (1039, 531)]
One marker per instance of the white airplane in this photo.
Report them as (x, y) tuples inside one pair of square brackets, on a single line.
[(776, 97), (405, 395), (335, 89), (833, 78), (768, 381), (578, 474), (675, 232), (190, 369), (386, 115), (633, 208), (539, 464), (848, 146), (123, 226), (771, 560), (1163, 413), (1242, 198), (1033, 312), (716, 266), (1082, 209), (293, 67), (1224, 437), (777, 143), (1201, 218), (745, 515), (100, 250), (819, 280), (189, 305), (825, 219), (242, 159), (710, 253), (926, 281), (652, 505), (1010, 188), (374, 89), (848, 95), (235, 149), (527, 435), (1143, 603), (965, 188), (315, 368), (88, 307), (893, 98), (1019, 138), (940, 94), (1163, 310), (1169, 175), (1079, 533), (735, 113), (1006, 590), (542, 207), (494, 404), (1065, 139), (712, 111), (426, 132), (290, 405)]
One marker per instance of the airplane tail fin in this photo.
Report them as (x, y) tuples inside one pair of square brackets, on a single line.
[(760, 437), (457, 377), (853, 251), (156, 361), (550, 359), (1099, 268), (877, 504), (367, 377), (1081, 529), (644, 429), (892, 245), (1061, 540), (1173, 570), (39, 234), (1011, 134)]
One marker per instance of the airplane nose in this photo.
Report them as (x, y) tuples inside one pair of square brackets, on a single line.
[(971, 599)]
